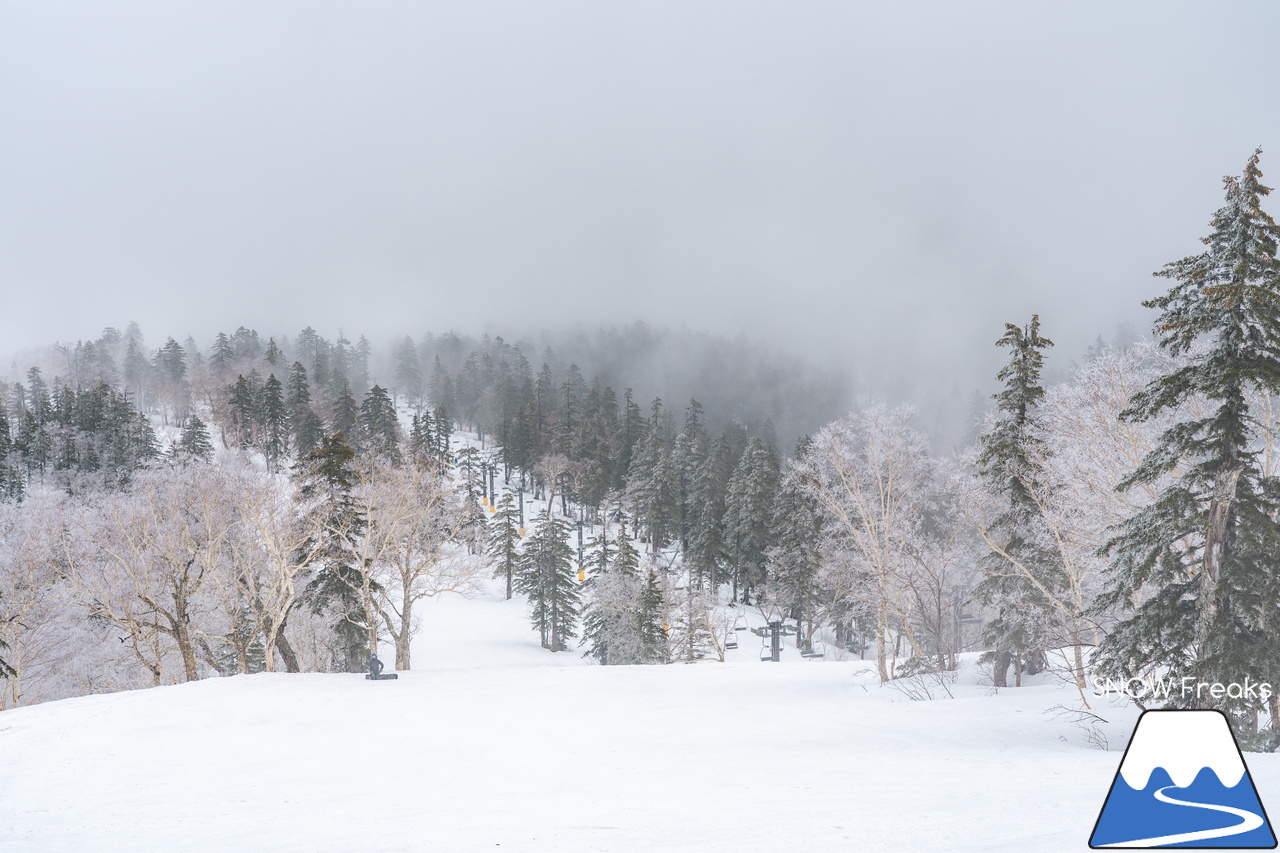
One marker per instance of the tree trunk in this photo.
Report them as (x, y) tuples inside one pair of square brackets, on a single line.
[(187, 649), (1000, 668), (882, 652), (1215, 543), (402, 636), (286, 651)]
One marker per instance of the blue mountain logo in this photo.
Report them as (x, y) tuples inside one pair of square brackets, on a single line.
[(1183, 783)]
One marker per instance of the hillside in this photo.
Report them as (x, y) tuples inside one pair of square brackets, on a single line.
[(495, 743)]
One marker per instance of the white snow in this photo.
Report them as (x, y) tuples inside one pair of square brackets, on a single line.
[(1183, 743), (492, 743)]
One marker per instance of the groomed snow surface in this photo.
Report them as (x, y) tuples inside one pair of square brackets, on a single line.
[(493, 744)]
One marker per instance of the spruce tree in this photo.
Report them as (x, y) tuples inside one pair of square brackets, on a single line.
[(705, 554), (273, 436), (503, 544), (273, 355), (325, 479), (1023, 616), (794, 554), (195, 441), (444, 431), (748, 515), (409, 373), (243, 404), (346, 418), (381, 428), (1204, 552), (223, 356), (548, 578), (422, 441), (651, 617)]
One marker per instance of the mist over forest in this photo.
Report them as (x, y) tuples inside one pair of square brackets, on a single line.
[(441, 426)]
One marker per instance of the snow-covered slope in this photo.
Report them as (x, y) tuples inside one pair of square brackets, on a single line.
[(492, 743)]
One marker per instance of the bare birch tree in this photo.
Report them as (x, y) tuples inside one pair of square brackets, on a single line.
[(868, 472)]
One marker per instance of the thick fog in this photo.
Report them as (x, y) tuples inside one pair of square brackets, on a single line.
[(877, 185)]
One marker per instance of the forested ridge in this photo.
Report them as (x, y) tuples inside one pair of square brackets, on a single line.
[(174, 511)]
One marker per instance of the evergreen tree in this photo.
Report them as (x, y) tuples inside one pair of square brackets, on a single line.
[(381, 426), (547, 577), (273, 355), (627, 559), (611, 624), (409, 373), (747, 517), (223, 355), (243, 403), (346, 418), (652, 623), (195, 440), (274, 433), (503, 544), (6, 671), (794, 556), (1022, 626), (705, 554), (1205, 550), (422, 441), (444, 431), (325, 479), (308, 429)]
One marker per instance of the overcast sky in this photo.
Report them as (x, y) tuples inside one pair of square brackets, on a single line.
[(871, 182)]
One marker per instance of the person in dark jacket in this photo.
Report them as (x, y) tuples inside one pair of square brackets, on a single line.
[(375, 666)]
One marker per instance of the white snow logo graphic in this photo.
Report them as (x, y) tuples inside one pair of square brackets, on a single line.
[(1183, 783)]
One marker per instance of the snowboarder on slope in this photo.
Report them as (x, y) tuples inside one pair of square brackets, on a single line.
[(375, 666)]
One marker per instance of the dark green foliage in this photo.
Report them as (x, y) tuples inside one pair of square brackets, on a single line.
[(546, 575), (223, 355), (346, 417), (6, 671), (273, 355), (422, 441), (794, 555), (748, 516), (273, 435), (195, 441), (408, 373), (325, 479), (1024, 621), (1205, 550), (74, 433), (242, 404), (503, 544), (652, 619), (381, 427)]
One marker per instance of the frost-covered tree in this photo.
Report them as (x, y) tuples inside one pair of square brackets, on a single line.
[(869, 474), (794, 555), (381, 427), (1195, 571), (748, 517)]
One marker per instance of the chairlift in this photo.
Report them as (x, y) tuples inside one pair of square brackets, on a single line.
[(731, 641), (814, 650)]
